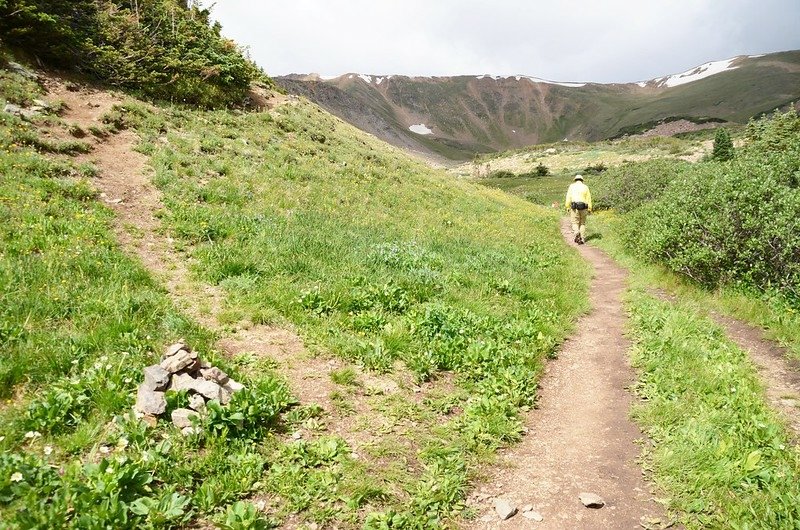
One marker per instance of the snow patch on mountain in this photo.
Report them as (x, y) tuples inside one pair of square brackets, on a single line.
[(420, 129), (697, 73)]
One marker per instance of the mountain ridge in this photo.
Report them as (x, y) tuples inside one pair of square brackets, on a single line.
[(469, 114)]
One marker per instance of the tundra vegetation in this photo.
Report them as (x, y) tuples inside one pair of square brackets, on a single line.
[(301, 221)]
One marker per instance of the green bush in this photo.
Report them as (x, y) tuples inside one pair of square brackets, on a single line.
[(161, 47), (629, 186), (733, 222), (502, 174)]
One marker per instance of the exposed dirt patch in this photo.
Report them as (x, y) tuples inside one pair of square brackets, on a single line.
[(580, 438), (672, 128)]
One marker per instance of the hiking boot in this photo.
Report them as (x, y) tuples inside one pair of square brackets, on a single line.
[(580, 240), (577, 238)]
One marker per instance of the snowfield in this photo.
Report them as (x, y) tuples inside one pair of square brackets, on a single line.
[(420, 129), (697, 73)]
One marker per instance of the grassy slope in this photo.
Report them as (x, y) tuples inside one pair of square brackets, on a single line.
[(299, 218)]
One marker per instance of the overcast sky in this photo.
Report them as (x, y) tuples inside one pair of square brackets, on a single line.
[(568, 40)]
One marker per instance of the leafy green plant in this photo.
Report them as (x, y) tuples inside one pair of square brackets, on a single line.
[(243, 515), (251, 412)]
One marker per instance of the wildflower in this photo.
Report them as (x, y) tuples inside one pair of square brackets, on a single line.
[(105, 449), (16, 477), (104, 358), (30, 435), (48, 450), (108, 366), (122, 443)]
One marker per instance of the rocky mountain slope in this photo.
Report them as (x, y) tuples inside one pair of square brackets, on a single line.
[(456, 117)]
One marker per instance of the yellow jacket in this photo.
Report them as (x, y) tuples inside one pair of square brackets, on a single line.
[(578, 192)]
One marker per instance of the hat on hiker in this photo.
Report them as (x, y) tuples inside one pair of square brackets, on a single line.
[(579, 177)]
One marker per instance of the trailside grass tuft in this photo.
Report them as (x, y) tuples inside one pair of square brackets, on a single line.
[(719, 451)]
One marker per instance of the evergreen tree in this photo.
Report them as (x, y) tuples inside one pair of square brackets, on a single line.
[(723, 145)]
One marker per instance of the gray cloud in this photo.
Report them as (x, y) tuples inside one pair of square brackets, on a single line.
[(569, 40)]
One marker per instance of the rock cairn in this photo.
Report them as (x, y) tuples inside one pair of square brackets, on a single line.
[(181, 369)]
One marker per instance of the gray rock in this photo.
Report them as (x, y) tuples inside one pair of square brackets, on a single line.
[(196, 402), (172, 349), (180, 418), (181, 382), (188, 431), (155, 377), (505, 508), (534, 516), (150, 402), (225, 396), (21, 70), (592, 500), (208, 389), (214, 374), (42, 104), (232, 386), (13, 109), (181, 360)]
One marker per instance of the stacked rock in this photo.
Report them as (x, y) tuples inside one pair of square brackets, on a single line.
[(181, 369)]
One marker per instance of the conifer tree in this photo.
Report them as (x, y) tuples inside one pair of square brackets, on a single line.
[(723, 145)]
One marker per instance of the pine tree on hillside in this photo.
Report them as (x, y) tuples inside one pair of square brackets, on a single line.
[(723, 145)]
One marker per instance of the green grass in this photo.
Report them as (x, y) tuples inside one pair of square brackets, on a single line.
[(299, 219), (374, 258), (721, 454)]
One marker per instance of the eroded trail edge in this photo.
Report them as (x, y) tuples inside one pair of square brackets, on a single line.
[(580, 437)]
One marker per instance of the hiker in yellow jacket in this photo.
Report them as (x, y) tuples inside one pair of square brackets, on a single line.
[(579, 204)]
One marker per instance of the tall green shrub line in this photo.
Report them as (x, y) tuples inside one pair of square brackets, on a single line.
[(722, 223), (160, 47)]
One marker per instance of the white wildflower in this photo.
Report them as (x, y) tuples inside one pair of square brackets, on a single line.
[(16, 477), (30, 435), (105, 449), (48, 450)]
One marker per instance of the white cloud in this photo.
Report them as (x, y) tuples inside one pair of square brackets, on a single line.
[(570, 40)]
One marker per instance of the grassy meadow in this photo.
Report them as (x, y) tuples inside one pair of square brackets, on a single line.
[(302, 221)]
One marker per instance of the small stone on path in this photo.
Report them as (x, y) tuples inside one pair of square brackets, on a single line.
[(505, 508), (592, 500), (534, 516)]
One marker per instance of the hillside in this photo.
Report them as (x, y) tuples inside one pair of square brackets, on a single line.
[(388, 328), (465, 115)]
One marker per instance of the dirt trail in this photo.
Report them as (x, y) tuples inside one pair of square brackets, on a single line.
[(580, 438)]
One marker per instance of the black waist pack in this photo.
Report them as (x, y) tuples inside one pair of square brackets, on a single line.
[(579, 205)]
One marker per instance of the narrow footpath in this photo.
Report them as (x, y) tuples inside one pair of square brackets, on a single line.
[(580, 438)]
